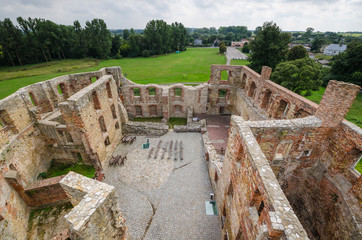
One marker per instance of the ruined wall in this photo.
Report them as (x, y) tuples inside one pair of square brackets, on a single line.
[(252, 204), (92, 116), (153, 100), (32, 133), (314, 165), (96, 213), (22, 150)]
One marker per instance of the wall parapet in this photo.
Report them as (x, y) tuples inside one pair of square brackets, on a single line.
[(258, 187), (96, 213)]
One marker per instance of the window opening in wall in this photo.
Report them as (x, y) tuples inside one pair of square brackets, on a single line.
[(252, 89), (136, 92), (231, 190), (79, 158), (33, 99), (113, 110), (116, 125), (178, 92), (266, 99), (261, 207), (96, 101), (93, 79), (243, 81), (358, 165), (216, 177), (6, 121), (282, 110), (306, 153), (109, 92), (178, 109), (282, 151), (152, 91), (102, 124), (224, 75), (59, 89), (106, 141), (138, 110), (153, 110), (222, 93), (68, 137)]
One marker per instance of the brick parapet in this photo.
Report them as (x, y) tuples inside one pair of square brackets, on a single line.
[(255, 175), (96, 214)]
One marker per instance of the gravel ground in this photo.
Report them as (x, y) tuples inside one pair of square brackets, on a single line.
[(162, 195)]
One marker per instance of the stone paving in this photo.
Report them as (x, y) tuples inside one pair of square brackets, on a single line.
[(163, 197), (217, 127)]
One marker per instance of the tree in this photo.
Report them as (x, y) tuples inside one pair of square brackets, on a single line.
[(222, 47), (317, 43), (157, 37), (99, 38), (298, 75), (296, 52), (125, 34), (246, 48), (347, 66), (116, 44), (269, 47)]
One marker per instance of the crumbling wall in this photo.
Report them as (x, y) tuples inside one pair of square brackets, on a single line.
[(96, 213), (153, 100), (252, 204), (92, 116), (314, 165)]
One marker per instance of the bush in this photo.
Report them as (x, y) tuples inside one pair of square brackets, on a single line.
[(118, 56), (145, 53)]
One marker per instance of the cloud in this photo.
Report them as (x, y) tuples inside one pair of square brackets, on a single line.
[(322, 15)]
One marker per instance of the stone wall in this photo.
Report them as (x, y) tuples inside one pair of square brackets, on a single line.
[(96, 213), (252, 205), (145, 128), (92, 116)]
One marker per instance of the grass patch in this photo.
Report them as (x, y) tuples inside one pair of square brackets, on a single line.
[(177, 121), (322, 56), (149, 119), (58, 169), (355, 113), (358, 167), (239, 62), (192, 65)]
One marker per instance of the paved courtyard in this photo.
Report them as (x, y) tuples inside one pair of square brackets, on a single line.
[(162, 190)]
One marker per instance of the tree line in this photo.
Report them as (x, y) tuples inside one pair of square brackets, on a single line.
[(35, 40)]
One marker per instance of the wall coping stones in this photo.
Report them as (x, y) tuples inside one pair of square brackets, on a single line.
[(283, 217)]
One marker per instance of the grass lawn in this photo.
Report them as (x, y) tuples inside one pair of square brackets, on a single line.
[(358, 167), (239, 62), (355, 113), (171, 123), (192, 65), (58, 169), (321, 56)]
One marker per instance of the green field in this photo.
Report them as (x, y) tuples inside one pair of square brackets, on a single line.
[(192, 65), (355, 113)]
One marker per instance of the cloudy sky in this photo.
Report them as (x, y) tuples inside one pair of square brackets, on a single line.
[(322, 15)]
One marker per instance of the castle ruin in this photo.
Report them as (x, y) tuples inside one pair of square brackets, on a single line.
[(287, 170)]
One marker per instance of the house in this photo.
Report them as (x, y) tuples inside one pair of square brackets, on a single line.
[(197, 42), (216, 42), (334, 49), (239, 44)]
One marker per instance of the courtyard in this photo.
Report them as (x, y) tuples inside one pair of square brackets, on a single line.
[(162, 190)]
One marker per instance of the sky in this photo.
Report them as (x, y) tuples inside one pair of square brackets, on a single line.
[(290, 15)]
